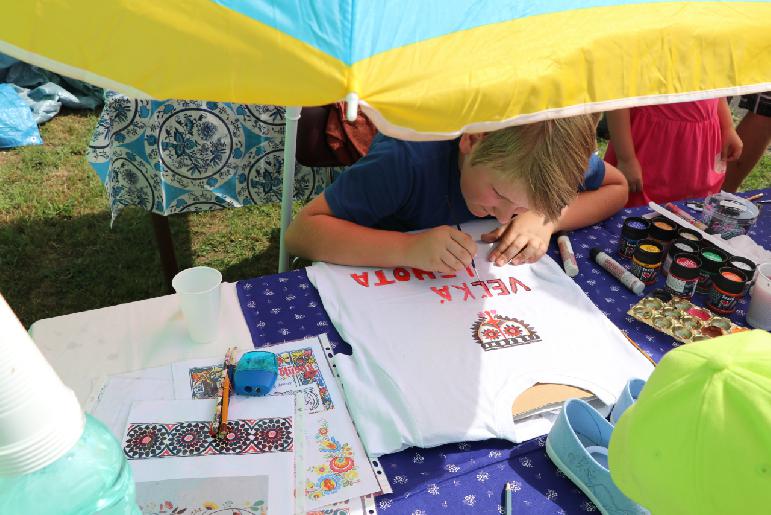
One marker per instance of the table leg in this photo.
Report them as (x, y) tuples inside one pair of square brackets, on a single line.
[(165, 249)]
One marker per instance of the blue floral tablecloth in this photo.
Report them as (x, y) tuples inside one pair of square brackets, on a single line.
[(469, 477), (176, 156)]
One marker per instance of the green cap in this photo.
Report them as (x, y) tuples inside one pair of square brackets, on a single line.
[(698, 439)]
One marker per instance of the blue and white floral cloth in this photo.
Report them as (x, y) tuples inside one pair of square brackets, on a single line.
[(177, 156), (469, 477)]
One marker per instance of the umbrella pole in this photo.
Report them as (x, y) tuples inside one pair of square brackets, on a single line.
[(287, 188)]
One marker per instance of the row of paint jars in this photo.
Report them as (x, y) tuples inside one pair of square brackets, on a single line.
[(690, 263)]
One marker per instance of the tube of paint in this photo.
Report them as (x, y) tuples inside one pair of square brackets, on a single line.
[(615, 269), (568, 257)]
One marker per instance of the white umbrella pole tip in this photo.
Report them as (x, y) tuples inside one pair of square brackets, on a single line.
[(351, 106)]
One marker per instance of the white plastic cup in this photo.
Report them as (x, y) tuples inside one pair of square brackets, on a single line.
[(759, 312), (198, 289)]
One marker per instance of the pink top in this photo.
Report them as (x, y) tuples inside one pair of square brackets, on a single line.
[(677, 146)]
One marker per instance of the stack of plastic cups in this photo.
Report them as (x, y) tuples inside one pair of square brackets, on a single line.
[(40, 418), (52, 458)]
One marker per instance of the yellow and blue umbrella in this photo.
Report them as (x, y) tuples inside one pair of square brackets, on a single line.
[(421, 68)]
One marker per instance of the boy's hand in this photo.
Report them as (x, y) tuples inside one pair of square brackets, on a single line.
[(523, 240), (441, 249), (633, 172)]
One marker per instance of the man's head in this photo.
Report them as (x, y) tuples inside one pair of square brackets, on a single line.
[(536, 167)]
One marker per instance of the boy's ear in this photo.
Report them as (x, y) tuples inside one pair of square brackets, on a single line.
[(467, 141)]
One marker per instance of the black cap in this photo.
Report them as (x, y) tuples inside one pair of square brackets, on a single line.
[(710, 265), (636, 227), (649, 257), (749, 265), (695, 236), (682, 271), (662, 233), (730, 285), (679, 245)]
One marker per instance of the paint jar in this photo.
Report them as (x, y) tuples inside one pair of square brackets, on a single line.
[(728, 215), (727, 287), (683, 274), (646, 261), (689, 234), (678, 246), (712, 259), (662, 231), (747, 266), (634, 230)]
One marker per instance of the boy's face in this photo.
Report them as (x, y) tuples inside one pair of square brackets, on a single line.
[(485, 193)]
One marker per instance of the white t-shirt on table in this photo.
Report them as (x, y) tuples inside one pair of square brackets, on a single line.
[(439, 359)]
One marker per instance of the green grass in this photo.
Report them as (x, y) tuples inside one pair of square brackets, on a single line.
[(58, 254)]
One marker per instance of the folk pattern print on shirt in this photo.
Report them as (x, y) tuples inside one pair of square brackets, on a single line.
[(337, 470), (187, 439), (440, 479), (493, 331)]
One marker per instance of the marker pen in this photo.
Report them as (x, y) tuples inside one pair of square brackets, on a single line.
[(568, 257), (616, 270)]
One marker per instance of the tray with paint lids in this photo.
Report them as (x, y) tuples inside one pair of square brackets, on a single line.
[(681, 319)]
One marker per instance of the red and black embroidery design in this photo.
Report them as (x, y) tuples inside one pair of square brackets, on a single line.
[(186, 439), (493, 331)]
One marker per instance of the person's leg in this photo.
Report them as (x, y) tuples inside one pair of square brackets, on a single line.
[(755, 133)]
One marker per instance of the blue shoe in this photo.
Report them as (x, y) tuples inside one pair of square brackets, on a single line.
[(627, 398), (578, 445)]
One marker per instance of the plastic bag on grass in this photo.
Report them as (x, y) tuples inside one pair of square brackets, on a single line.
[(17, 125)]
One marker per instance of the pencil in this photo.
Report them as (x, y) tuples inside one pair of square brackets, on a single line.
[(222, 395), (223, 429), (755, 196), (508, 498)]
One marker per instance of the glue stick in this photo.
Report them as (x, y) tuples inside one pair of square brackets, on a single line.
[(568, 257), (616, 270)]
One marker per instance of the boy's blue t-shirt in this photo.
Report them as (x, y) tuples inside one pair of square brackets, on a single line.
[(408, 185)]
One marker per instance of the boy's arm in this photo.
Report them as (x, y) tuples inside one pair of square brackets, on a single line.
[(620, 129), (317, 234), (593, 206), (526, 238), (731, 147)]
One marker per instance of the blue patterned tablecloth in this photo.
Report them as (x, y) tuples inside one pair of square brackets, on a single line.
[(176, 156), (470, 476)]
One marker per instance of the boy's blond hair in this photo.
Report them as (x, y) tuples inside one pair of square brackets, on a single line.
[(549, 157)]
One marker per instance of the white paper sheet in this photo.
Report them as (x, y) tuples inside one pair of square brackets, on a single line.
[(163, 442), (210, 496), (336, 466)]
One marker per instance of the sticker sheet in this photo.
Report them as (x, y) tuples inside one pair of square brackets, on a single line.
[(335, 465), (170, 440)]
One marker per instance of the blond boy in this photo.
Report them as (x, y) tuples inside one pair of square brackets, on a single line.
[(528, 177)]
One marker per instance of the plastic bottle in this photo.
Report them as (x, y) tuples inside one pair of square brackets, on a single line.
[(53, 459)]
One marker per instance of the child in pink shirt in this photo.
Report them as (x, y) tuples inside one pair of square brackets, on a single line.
[(672, 151)]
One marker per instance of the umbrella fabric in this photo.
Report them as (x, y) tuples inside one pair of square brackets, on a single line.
[(434, 66)]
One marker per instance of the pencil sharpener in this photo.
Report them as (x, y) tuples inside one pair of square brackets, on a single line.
[(255, 373)]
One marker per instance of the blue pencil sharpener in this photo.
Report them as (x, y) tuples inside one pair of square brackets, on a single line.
[(255, 373)]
